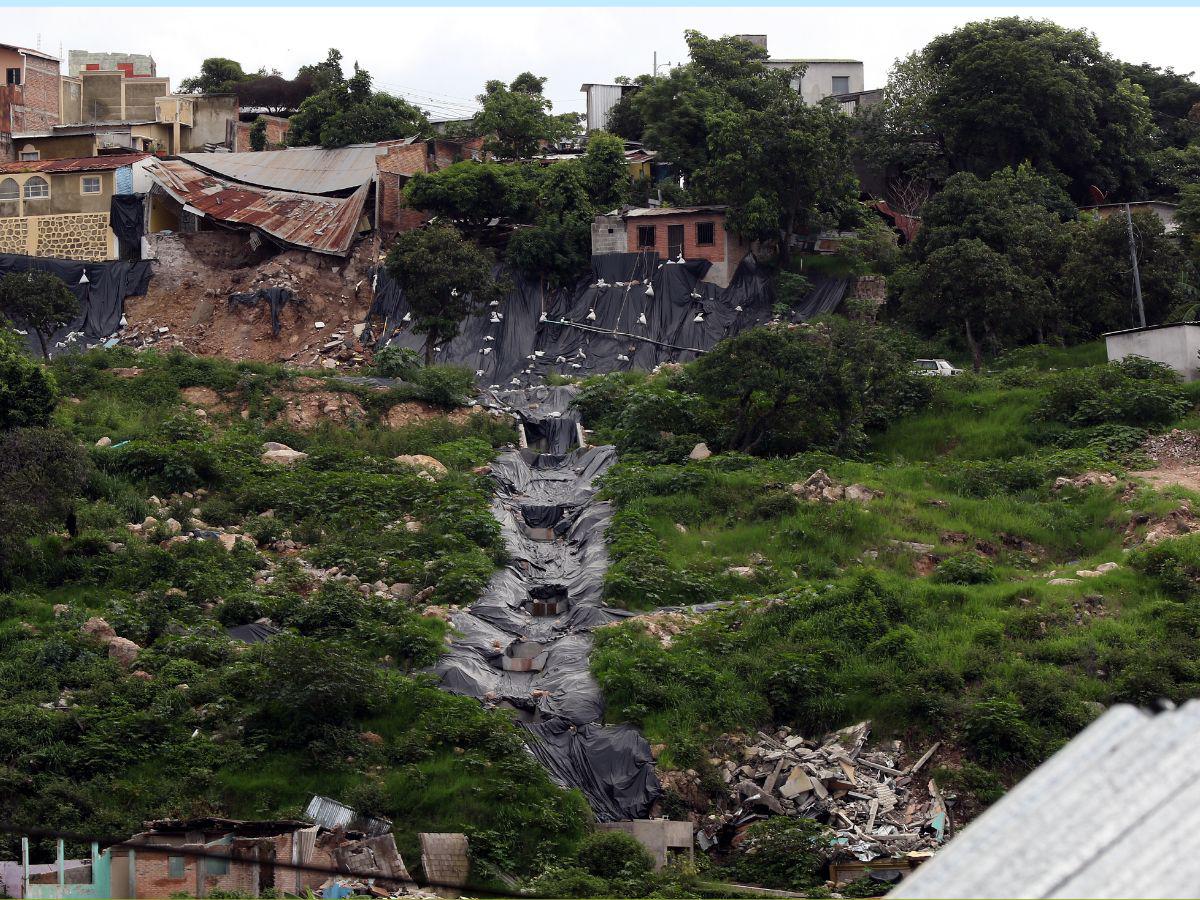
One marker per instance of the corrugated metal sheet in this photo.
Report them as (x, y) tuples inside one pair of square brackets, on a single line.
[(307, 170), (1112, 814), (331, 814), (84, 164), (323, 224)]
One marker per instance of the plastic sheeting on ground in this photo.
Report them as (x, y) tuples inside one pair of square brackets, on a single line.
[(526, 642), (634, 312), (277, 298), (101, 294)]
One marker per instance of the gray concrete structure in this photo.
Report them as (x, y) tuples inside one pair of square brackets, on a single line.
[(608, 235), (665, 840), (1176, 345), (601, 98), (134, 63)]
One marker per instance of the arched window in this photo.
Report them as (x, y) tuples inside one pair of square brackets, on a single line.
[(36, 187), (9, 190)]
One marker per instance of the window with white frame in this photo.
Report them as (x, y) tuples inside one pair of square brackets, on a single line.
[(37, 187), (30, 155), (89, 184)]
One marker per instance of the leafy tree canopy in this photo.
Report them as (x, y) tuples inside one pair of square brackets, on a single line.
[(350, 112), (474, 192), (445, 278), (38, 300), (218, 75), (27, 391), (517, 118)]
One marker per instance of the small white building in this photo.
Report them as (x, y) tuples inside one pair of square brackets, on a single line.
[(824, 77), (1176, 345), (601, 98)]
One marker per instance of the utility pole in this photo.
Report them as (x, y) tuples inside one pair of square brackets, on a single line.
[(1137, 277)]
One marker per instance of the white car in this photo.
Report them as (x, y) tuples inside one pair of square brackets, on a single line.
[(935, 367)]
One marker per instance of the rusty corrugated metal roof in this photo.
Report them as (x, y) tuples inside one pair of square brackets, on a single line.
[(308, 170), (323, 224), (83, 164)]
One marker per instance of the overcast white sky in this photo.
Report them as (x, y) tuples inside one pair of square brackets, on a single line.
[(441, 57)]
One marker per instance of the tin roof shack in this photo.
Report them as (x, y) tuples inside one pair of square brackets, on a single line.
[(601, 98), (688, 232), (1165, 211), (186, 199), (61, 208), (1176, 345), (29, 94)]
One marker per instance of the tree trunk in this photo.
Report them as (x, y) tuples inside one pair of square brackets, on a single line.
[(42, 341), (785, 246), (429, 349), (976, 355)]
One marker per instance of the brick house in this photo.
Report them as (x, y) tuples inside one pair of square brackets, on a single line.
[(29, 95), (690, 232), (402, 161), (278, 129)]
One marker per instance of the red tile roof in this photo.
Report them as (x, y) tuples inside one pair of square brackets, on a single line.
[(83, 164)]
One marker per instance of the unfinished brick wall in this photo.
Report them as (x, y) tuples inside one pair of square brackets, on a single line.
[(278, 129), (40, 94), (401, 163), (714, 252)]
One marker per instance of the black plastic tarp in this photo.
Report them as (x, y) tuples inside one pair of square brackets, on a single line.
[(276, 297), (634, 311), (553, 529), (125, 218), (101, 288), (253, 633)]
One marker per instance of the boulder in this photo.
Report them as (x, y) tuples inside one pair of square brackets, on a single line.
[(1063, 581), (1104, 568), (1086, 480), (699, 452), (421, 461), (741, 571), (61, 609), (173, 526), (401, 590), (820, 488), (124, 651), (98, 628), (860, 493), (413, 527), (105, 441), (281, 455)]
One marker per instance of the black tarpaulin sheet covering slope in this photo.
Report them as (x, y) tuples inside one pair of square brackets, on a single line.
[(101, 295), (611, 321), (554, 532), (551, 424)]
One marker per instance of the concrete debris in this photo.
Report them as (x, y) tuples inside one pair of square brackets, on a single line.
[(877, 806), (1086, 480), (1176, 447), (281, 454), (820, 488)]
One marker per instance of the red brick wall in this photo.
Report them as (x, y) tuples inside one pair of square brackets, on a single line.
[(278, 129), (402, 162), (40, 94), (714, 252)]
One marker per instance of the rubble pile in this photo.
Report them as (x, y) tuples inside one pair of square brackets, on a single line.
[(820, 488), (1177, 523), (876, 806), (1086, 480), (1175, 448)]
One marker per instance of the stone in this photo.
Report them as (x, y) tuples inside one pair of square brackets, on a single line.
[(421, 461), (860, 493), (682, 529), (228, 541), (1063, 581), (142, 674), (1088, 573), (413, 527), (741, 571), (149, 522), (105, 441), (819, 487), (124, 651), (699, 452), (329, 364), (797, 783), (1104, 568), (98, 628), (370, 737), (401, 590), (61, 609), (284, 456), (173, 526)]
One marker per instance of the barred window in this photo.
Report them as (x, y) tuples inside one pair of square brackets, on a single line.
[(36, 187), (645, 236), (705, 233)]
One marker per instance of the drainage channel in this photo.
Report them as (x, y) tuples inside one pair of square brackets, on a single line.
[(525, 643)]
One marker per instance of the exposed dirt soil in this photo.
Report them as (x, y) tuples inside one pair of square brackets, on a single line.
[(196, 273), (415, 411), (1177, 454)]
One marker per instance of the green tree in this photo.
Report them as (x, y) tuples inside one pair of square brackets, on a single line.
[(326, 73), (350, 112), (218, 75), (558, 246), (445, 279), (258, 134), (1172, 96), (517, 118), (606, 169), (38, 300), (1072, 111), (27, 391), (474, 192)]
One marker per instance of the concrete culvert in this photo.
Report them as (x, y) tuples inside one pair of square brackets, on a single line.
[(548, 599), (523, 656)]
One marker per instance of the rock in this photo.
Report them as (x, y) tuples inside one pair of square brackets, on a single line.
[(228, 541), (1104, 568), (820, 488), (175, 592), (142, 674), (413, 527), (860, 493), (682, 529), (173, 526), (401, 590), (424, 594), (149, 522), (105, 441), (482, 470), (124, 651), (370, 737), (1088, 573), (1063, 581), (699, 452), (282, 455), (1086, 480), (98, 628), (741, 571), (912, 546), (421, 461), (329, 364), (61, 609)]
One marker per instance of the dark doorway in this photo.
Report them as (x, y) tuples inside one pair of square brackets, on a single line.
[(674, 241)]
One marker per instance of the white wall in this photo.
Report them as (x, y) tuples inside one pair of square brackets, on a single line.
[(817, 83), (1175, 345)]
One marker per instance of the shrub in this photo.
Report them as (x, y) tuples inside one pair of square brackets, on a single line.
[(613, 854), (27, 391), (968, 568), (996, 731), (783, 852), (1175, 564), (398, 362), (444, 385), (1134, 392)]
